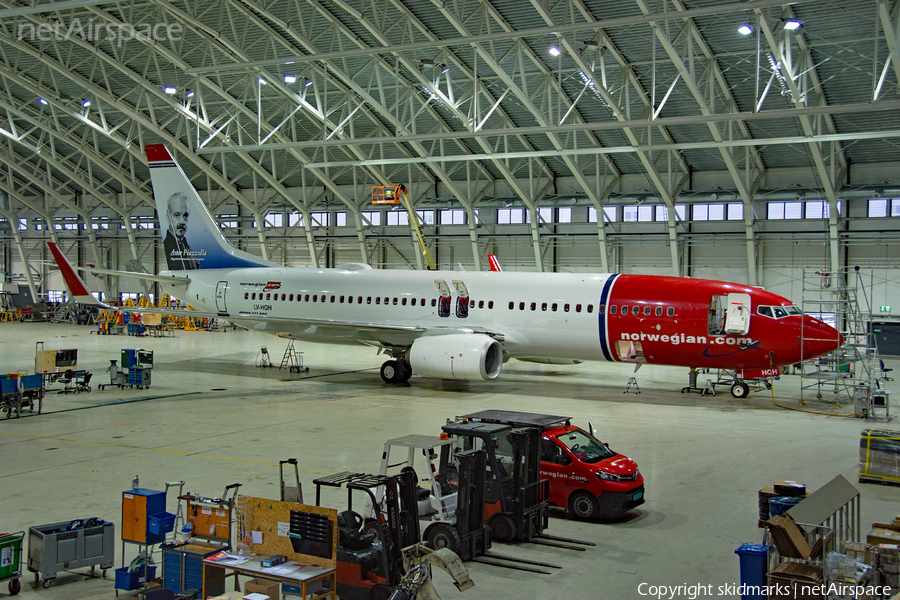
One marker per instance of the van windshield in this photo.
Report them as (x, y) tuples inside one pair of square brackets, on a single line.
[(584, 447)]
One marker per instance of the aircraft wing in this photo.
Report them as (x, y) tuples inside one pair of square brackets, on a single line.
[(137, 275)]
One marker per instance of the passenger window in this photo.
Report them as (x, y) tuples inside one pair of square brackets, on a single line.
[(359, 299), (472, 303), (534, 306), (590, 308), (481, 304), (433, 302), (349, 299), (291, 298), (246, 295), (377, 299), (283, 296), (521, 306), (269, 296), (543, 306), (413, 301), (368, 299), (624, 309), (490, 304), (635, 310), (511, 305), (332, 299), (566, 308), (306, 298), (612, 309), (387, 300), (315, 297), (578, 308), (275, 298), (647, 311), (403, 302), (554, 307), (342, 300), (659, 311), (254, 296), (395, 301), (670, 311)]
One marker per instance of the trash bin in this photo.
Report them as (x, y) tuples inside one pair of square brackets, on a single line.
[(778, 505), (753, 559)]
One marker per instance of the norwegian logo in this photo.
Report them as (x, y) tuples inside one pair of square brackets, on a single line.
[(272, 285)]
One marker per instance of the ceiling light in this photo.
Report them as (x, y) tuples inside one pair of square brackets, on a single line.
[(554, 51), (745, 29), (85, 103), (290, 78), (189, 94), (169, 89), (262, 81), (42, 101), (445, 69), (791, 24), (308, 82)]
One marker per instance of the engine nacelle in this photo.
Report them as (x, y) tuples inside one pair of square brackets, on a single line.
[(465, 356)]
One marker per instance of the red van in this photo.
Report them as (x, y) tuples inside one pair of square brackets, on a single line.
[(587, 479)]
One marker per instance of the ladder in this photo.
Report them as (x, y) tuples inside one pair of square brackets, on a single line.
[(291, 359)]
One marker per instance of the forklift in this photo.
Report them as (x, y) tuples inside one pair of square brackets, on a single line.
[(369, 564), (515, 497)]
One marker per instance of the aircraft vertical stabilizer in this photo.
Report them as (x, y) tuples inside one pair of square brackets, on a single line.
[(191, 236)]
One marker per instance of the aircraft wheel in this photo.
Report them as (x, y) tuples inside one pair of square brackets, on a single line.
[(407, 371), (503, 528), (740, 389), (392, 371), (442, 535), (583, 505)]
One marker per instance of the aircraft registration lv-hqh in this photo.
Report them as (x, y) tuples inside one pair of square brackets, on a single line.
[(464, 324)]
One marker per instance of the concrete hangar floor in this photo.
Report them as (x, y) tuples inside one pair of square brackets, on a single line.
[(211, 418)]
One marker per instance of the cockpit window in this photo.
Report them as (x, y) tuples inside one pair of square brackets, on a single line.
[(778, 312)]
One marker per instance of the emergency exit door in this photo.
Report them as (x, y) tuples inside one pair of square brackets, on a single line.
[(220, 296)]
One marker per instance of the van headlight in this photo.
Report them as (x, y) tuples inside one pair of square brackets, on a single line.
[(616, 477)]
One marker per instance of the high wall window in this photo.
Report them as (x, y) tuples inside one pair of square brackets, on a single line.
[(510, 215), (57, 295), (340, 218), (371, 217), (564, 214), (426, 216), (735, 211), (276, 219), (319, 218), (545, 215), (784, 210), (817, 209), (610, 214), (637, 214), (227, 221), (453, 216), (884, 207), (397, 217)]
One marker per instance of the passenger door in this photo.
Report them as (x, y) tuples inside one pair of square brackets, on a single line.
[(221, 287), (737, 319)]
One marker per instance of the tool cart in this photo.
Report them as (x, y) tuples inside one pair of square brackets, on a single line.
[(11, 560)]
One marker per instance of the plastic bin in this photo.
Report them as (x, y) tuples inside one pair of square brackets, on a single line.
[(778, 505), (161, 523), (753, 559), (135, 579), (11, 560), (55, 547)]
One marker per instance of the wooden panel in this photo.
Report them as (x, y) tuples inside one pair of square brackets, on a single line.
[(272, 518)]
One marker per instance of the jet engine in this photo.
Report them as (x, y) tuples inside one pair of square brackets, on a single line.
[(465, 356)]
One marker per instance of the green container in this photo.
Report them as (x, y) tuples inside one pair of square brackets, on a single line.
[(11, 555)]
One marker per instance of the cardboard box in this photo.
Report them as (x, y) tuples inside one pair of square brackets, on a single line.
[(262, 586), (859, 551), (790, 488), (801, 579), (789, 539), (883, 535)]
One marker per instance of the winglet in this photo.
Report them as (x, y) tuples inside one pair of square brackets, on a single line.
[(495, 264), (76, 285)]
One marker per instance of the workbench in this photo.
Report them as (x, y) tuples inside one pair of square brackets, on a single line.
[(321, 579)]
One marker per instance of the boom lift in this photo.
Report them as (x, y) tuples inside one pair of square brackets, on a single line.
[(393, 194)]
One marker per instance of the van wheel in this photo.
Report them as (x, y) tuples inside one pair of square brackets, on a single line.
[(503, 528), (584, 505)]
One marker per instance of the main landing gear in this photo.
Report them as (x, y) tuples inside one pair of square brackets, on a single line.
[(396, 371)]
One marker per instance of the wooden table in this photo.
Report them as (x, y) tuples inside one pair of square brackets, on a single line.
[(300, 577)]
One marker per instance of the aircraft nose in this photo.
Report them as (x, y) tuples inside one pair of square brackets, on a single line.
[(819, 338)]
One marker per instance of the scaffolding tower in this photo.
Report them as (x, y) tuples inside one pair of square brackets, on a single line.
[(849, 374)]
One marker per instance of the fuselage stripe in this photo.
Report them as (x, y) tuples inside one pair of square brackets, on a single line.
[(601, 317)]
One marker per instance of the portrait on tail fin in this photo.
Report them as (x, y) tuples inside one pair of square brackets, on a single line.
[(179, 255)]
